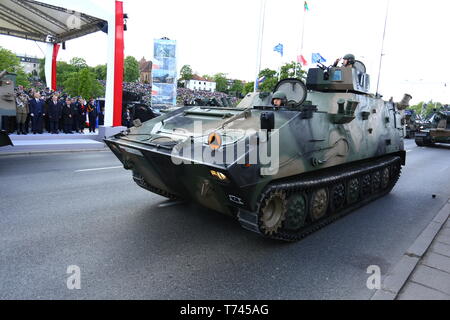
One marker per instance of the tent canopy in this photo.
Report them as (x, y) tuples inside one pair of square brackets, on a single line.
[(43, 22)]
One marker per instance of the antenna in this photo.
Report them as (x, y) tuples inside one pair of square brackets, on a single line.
[(262, 14), (382, 47)]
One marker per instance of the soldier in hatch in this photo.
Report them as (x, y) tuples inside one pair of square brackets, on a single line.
[(279, 99), (347, 61)]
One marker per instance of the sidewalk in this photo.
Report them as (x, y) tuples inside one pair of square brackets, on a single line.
[(424, 271), (42, 143), (431, 278)]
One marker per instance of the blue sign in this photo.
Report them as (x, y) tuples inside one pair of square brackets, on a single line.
[(164, 72)]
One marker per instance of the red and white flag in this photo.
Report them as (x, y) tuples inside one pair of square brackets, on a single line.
[(301, 59)]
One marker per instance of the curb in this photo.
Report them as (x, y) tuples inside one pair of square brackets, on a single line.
[(39, 152), (396, 279)]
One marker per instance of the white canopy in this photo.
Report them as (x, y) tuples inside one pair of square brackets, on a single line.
[(39, 21)]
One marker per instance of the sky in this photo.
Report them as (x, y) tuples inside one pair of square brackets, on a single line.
[(221, 36)]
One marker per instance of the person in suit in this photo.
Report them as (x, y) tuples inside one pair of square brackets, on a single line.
[(83, 110), (54, 113), (127, 118), (67, 116), (76, 115), (37, 113), (92, 114)]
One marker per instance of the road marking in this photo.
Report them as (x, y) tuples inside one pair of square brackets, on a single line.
[(98, 169), (408, 151)]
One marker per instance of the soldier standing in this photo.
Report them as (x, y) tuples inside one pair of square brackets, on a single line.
[(22, 111), (92, 113)]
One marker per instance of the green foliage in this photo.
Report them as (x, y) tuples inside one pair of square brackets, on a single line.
[(78, 63), (426, 110), (186, 72), (286, 71), (221, 82), (100, 71), (131, 69), (237, 88), (83, 83), (271, 80), (63, 71), (248, 87), (10, 63)]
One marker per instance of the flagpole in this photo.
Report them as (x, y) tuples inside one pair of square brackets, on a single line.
[(301, 41), (262, 15), (382, 47)]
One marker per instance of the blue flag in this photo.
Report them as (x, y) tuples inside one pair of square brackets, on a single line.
[(279, 48), (316, 58)]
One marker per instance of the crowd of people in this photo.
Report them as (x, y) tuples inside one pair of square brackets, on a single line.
[(54, 112), (43, 110), (184, 96)]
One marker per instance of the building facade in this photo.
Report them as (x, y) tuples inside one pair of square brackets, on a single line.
[(200, 83), (145, 71), (29, 64)]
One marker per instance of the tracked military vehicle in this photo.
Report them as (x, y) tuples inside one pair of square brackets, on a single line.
[(438, 130), (282, 172), (7, 106)]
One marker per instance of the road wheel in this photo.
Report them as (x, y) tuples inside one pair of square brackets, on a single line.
[(385, 176), (273, 212), (297, 211), (366, 186), (376, 181), (353, 190), (319, 204), (337, 197)]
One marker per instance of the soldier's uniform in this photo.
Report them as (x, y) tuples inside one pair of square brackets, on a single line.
[(22, 111)]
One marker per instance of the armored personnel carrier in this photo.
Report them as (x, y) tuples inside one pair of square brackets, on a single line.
[(438, 130), (282, 172), (411, 123), (7, 106)]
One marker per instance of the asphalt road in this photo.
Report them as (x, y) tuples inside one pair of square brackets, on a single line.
[(52, 215)]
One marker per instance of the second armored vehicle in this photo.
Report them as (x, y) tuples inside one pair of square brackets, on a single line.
[(439, 130)]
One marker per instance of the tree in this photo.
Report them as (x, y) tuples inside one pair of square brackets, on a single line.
[(100, 71), (221, 82), (271, 79), (186, 72), (10, 63), (426, 108), (248, 87), (63, 71), (78, 63), (237, 88), (131, 69), (288, 71), (83, 83)]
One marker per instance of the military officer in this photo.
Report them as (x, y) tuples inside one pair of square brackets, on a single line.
[(22, 111)]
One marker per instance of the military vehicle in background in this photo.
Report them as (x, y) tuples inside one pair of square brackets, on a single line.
[(7, 106), (437, 129), (333, 147), (138, 109), (412, 123)]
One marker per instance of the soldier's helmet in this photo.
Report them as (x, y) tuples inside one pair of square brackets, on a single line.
[(280, 95), (350, 57)]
